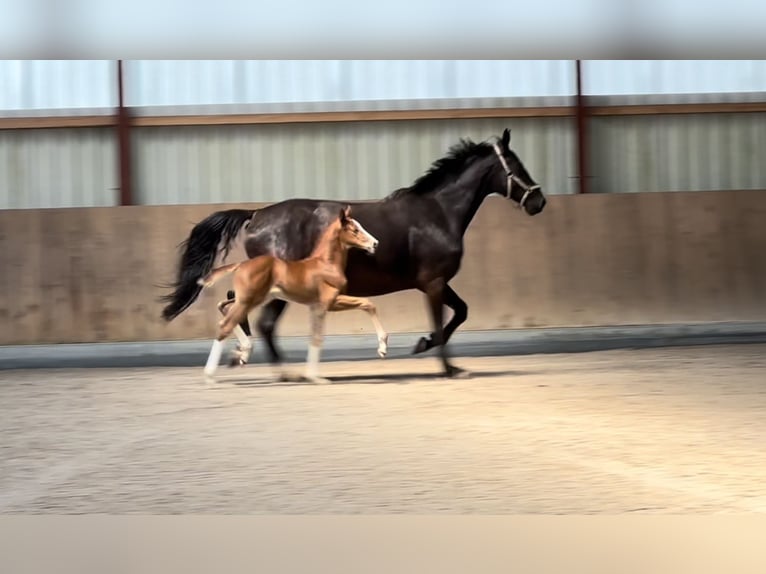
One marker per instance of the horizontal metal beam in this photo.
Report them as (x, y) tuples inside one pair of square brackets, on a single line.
[(10, 123)]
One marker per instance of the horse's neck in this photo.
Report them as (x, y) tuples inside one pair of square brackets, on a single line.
[(462, 198)]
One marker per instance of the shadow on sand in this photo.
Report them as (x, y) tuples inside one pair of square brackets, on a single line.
[(365, 379)]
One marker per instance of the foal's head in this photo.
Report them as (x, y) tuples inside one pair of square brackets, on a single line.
[(352, 234)]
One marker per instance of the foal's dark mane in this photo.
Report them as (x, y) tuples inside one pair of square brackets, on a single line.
[(450, 166)]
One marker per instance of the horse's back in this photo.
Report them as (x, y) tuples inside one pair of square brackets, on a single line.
[(289, 229)]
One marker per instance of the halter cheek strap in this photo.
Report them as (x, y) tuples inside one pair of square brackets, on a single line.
[(512, 177)]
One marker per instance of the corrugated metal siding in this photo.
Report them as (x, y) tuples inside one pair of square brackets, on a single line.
[(336, 161), (198, 82), (57, 168), (678, 152), (635, 77), (52, 84)]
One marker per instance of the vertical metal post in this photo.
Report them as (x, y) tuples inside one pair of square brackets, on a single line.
[(123, 142), (582, 139)]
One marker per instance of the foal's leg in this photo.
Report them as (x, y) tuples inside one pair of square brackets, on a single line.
[(318, 315), (460, 314), (244, 325), (234, 315), (241, 354), (346, 303)]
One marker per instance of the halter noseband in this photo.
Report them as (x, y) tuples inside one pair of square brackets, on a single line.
[(512, 177)]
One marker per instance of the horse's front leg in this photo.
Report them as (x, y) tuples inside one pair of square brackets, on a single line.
[(460, 314), (434, 291), (346, 303)]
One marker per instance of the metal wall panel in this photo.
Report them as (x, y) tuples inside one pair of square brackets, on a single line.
[(58, 168), (678, 152), (359, 160), (72, 84), (57, 84), (210, 82), (640, 77)]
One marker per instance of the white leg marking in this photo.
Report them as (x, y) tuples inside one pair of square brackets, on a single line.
[(213, 359), (245, 347), (315, 347)]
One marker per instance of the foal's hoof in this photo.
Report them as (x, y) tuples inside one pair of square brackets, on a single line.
[(423, 345), (318, 380), (237, 362), (383, 347)]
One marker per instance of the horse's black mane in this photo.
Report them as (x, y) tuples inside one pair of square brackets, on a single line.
[(450, 165)]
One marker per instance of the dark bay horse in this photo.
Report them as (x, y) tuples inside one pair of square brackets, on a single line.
[(420, 229)]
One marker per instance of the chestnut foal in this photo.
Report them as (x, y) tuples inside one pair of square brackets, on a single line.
[(316, 281)]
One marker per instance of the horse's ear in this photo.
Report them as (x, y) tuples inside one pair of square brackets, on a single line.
[(506, 137), (345, 214)]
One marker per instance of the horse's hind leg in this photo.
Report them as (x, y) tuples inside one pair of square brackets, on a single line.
[(346, 303), (267, 323), (460, 314)]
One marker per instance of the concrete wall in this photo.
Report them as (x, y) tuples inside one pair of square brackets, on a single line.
[(82, 275)]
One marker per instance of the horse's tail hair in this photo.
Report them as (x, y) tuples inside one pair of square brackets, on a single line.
[(209, 279), (210, 236)]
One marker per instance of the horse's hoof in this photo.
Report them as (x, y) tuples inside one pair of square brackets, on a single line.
[(382, 353), (280, 376), (422, 346), (237, 362), (454, 372)]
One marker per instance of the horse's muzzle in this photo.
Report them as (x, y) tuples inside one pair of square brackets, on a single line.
[(535, 205)]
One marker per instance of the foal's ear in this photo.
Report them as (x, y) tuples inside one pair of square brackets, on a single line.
[(506, 137), (345, 213)]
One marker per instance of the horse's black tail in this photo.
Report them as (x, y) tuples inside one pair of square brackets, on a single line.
[(213, 234)]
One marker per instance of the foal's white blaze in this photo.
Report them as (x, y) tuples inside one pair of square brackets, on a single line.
[(371, 243)]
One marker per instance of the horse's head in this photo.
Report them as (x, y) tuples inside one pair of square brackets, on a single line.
[(353, 234), (513, 181)]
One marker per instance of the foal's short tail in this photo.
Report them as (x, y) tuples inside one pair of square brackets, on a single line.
[(209, 279)]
